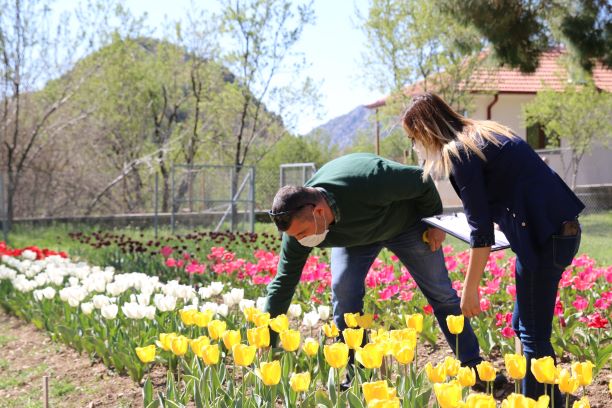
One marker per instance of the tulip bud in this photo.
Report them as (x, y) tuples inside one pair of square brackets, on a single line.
[(516, 366), (269, 373), (370, 356), (455, 324), (336, 354), (290, 340), (146, 354), (300, 382), (543, 369), (243, 354), (353, 337), (310, 347), (486, 371)]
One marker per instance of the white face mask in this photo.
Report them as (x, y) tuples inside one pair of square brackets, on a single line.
[(314, 239)]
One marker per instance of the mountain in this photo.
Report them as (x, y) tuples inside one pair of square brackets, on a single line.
[(342, 131)]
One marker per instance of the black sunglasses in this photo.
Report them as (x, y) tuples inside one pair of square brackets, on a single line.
[(283, 218)]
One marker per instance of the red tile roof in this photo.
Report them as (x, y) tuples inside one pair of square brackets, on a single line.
[(550, 73)]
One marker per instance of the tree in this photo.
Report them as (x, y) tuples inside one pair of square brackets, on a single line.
[(520, 30), (576, 117), (32, 53), (261, 37), (413, 46)]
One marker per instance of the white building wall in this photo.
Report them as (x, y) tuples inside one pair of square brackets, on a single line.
[(595, 168)]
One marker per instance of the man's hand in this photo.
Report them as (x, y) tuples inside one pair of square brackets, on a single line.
[(470, 302), (435, 237)]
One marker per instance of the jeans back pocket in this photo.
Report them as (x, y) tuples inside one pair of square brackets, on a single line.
[(564, 249)]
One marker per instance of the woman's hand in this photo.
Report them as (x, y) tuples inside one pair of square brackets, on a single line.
[(470, 302)]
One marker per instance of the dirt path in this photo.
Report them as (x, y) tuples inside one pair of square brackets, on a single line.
[(28, 354)]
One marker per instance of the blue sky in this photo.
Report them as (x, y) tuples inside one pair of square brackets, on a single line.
[(332, 46)]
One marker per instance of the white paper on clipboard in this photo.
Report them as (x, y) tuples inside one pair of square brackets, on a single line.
[(456, 225)]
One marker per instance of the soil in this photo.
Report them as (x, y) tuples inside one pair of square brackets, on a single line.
[(28, 354)]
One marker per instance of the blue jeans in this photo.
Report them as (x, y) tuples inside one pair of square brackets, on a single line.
[(349, 267), (536, 294)]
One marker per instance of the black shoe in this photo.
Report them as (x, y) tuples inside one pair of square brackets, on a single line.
[(499, 384)]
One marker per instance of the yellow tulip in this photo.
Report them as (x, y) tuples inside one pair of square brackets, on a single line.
[(243, 354), (290, 340), (403, 352), (583, 372), (516, 366), (567, 383), (436, 374), (210, 354), (388, 403), (455, 323), (377, 390), (261, 319), (201, 319), (310, 347), (146, 354), (165, 341), (197, 344), (380, 334), (280, 323), (179, 345), (466, 376), (543, 369), (405, 335), (451, 366), (486, 371), (231, 338), (187, 316), (300, 382), (269, 373), (351, 319), (216, 328), (330, 330), (480, 401), (259, 336), (365, 321), (415, 321), (520, 401), (250, 313), (370, 356), (582, 403), (336, 354), (387, 346), (353, 337), (448, 394)]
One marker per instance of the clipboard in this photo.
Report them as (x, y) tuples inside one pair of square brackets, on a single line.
[(457, 225)]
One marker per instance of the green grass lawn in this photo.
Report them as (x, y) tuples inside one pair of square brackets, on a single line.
[(596, 236)]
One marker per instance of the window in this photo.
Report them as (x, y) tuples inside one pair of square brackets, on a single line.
[(536, 137)]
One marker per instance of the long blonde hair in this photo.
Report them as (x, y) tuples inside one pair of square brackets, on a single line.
[(430, 121)]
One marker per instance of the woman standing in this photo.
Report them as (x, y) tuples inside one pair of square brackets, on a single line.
[(500, 179)]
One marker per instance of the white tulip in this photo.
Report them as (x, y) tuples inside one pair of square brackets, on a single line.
[(222, 310), (48, 292), (109, 312), (310, 319), (294, 311), (99, 301), (324, 312), (216, 288), (261, 302), (87, 308), (244, 303), (205, 292)]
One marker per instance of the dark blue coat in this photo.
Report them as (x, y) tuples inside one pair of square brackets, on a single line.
[(515, 189)]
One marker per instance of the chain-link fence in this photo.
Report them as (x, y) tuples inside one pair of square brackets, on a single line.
[(213, 197), (296, 174)]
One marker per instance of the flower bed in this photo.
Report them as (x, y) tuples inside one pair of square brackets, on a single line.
[(204, 330)]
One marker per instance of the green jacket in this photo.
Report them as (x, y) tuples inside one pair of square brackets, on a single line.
[(373, 199)]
